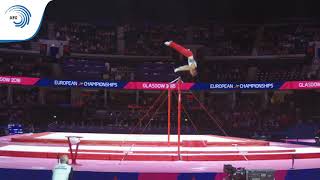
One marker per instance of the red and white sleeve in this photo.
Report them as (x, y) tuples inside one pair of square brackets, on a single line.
[(186, 52)]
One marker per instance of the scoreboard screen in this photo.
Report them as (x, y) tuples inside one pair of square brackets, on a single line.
[(15, 129)]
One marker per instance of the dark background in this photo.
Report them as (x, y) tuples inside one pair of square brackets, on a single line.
[(180, 11)]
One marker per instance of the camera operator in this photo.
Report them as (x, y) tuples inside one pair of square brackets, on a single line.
[(62, 171)]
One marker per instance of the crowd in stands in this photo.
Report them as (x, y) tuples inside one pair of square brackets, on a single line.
[(288, 39), (280, 73), (147, 39), (251, 114), (17, 46), (88, 38), (229, 40), (97, 69), (83, 68), (248, 115), (224, 73), (23, 65), (14, 110)]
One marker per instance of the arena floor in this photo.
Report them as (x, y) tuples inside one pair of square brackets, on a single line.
[(137, 139), (151, 153)]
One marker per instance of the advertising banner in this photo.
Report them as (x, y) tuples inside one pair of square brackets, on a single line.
[(300, 85), (68, 83), (18, 80)]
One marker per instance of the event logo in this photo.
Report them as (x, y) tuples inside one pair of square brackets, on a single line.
[(20, 20), (19, 15)]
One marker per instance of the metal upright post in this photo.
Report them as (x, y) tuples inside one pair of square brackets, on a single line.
[(179, 116), (169, 115)]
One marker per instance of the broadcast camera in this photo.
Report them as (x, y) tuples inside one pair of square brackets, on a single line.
[(234, 173), (243, 174)]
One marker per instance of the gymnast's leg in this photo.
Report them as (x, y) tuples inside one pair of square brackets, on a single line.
[(183, 68)]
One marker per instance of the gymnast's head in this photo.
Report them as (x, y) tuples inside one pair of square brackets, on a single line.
[(64, 159), (193, 72)]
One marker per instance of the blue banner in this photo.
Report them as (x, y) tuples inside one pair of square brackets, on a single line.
[(235, 86), (100, 84), (81, 83)]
